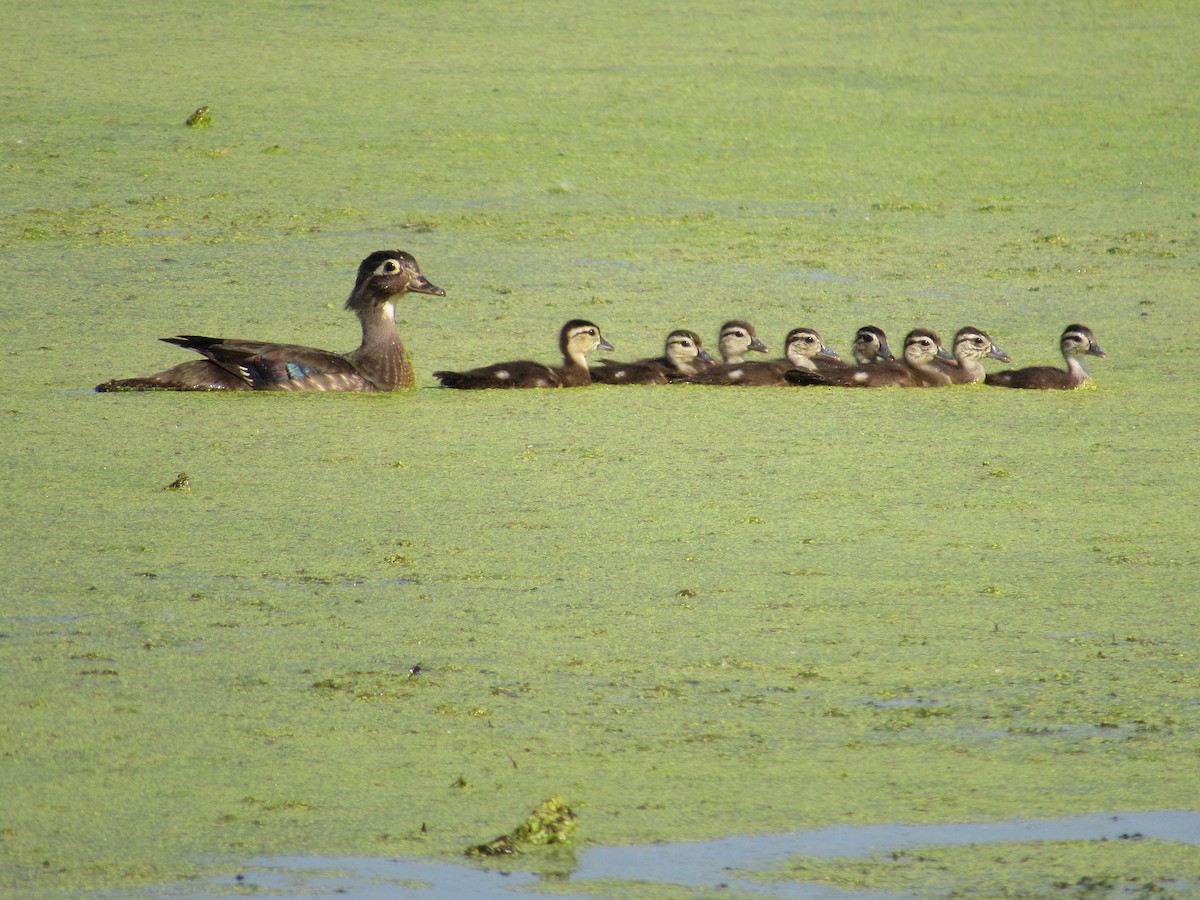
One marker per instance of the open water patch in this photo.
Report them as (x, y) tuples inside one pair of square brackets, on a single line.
[(702, 865)]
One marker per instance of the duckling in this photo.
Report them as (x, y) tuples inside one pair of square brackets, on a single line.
[(737, 339), (1076, 342), (970, 346), (576, 338), (917, 367), (379, 364), (870, 345), (803, 347), (682, 356)]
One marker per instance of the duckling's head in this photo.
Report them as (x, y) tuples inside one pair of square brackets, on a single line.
[(973, 343), (803, 345), (738, 338), (579, 337), (870, 345), (922, 346), (1078, 340), (683, 350), (385, 274)]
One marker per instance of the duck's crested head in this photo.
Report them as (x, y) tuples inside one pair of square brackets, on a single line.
[(802, 344), (922, 346), (870, 345), (975, 343), (386, 273), (580, 336), (683, 347), (1078, 340)]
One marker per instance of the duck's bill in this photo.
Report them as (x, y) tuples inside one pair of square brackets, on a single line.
[(423, 285)]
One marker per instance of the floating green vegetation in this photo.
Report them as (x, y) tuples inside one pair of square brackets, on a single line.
[(201, 118), (182, 482), (698, 612), (1130, 866), (551, 822)]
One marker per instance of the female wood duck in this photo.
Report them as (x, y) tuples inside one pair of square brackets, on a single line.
[(917, 368), (682, 356), (971, 345), (576, 338), (803, 348), (737, 339), (1077, 341), (379, 364)]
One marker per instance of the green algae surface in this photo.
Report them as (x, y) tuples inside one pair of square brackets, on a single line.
[(1131, 867), (393, 624)]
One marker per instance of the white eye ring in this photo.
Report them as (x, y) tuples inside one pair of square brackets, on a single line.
[(390, 267)]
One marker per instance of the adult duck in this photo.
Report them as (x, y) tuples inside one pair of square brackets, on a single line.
[(379, 364)]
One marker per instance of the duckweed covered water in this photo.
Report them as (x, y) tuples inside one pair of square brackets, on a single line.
[(690, 612), (836, 863)]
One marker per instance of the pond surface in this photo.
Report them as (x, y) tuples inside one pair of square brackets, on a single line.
[(719, 864), (690, 612)]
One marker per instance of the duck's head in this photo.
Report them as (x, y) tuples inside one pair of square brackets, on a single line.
[(870, 345), (684, 350), (738, 338), (385, 274), (972, 343), (922, 346), (579, 337), (1078, 340), (802, 345)]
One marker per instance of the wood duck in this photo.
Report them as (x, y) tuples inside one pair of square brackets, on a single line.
[(379, 364), (870, 346), (971, 345), (1077, 341), (737, 339), (682, 356), (803, 348), (576, 338), (917, 368)]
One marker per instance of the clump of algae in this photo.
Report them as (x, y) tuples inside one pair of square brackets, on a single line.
[(551, 822), (201, 118)]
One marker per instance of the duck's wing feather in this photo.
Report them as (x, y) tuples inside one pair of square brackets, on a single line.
[(282, 367)]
